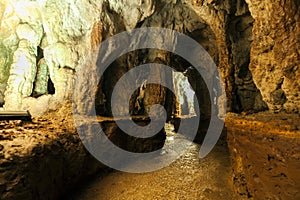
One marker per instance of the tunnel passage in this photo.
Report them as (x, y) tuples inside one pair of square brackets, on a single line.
[(198, 30), (192, 86), (227, 30), (200, 92)]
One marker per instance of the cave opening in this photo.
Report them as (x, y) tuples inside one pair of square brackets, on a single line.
[(50, 87)]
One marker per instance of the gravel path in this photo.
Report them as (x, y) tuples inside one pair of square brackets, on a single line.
[(187, 178)]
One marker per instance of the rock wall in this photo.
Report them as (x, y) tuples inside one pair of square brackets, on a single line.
[(275, 52), (46, 42), (5, 62)]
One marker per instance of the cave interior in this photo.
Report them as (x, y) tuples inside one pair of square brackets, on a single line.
[(56, 98)]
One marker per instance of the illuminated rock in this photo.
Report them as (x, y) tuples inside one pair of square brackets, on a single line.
[(22, 76), (184, 95), (275, 52), (25, 32), (67, 32), (5, 62)]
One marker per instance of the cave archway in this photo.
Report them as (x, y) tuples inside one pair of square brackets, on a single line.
[(198, 30)]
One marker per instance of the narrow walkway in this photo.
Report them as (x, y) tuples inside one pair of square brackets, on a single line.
[(187, 178)]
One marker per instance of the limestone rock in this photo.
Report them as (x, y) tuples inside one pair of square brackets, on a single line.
[(5, 62), (22, 75), (37, 106), (43, 159), (275, 52), (11, 42), (67, 32), (9, 19), (61, 26), (25, 32), (133, 11), (269, 139), (42, 78)]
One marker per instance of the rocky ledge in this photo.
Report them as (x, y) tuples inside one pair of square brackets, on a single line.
[(42, 158), (265, 154)]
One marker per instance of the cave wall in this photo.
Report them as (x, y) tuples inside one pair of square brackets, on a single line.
[(47, 41), (5, 62), (44, 43), (275, 52), (65, 32), (27, 26)]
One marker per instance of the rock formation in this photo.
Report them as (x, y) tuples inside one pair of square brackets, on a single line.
[(275, 52), (47, 45), (44, 43)]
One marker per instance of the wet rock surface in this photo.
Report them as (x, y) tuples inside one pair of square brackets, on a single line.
[(265, 156), (187, 178)]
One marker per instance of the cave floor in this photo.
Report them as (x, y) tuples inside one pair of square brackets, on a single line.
[(187, 178)]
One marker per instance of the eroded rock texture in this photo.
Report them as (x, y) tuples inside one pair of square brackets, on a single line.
[(44, 46), (264, 152), (275, 52), (41, 160)]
